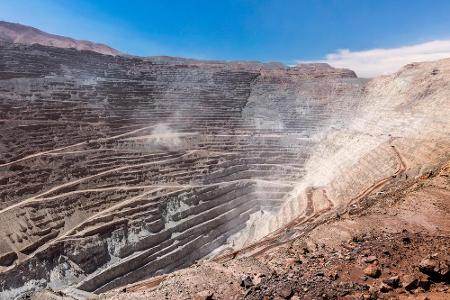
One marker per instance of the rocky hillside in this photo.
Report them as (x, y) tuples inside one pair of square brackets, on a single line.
[(18, 33), (118, 169), (394, 245)]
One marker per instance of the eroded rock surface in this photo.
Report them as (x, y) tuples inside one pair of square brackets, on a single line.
[(116, 169), (330, 260)]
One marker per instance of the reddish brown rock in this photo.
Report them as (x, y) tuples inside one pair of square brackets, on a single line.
[(372, 270)]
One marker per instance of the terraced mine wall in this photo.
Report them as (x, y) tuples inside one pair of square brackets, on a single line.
[(114, 169)]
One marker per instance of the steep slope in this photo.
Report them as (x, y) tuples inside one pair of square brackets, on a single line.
[(400, 129), (400, 234), (115, 169), (118, 169), (385, 173), (18, 33)]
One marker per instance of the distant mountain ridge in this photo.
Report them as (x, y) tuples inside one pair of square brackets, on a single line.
[(22, 34)]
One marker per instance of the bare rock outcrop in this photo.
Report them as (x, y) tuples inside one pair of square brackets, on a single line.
[(116, 169), (22, 34)]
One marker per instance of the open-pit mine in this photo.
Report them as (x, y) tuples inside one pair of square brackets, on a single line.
[(117, 169)]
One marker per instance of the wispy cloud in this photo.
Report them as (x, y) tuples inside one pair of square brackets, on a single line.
[(374, 62)]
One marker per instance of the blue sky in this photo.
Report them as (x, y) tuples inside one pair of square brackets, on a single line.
[(265, 30)]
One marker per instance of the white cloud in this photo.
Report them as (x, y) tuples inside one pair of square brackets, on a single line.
[(374, 62)]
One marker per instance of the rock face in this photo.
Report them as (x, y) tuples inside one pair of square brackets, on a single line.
[(18, 33), (324, 263), (115, 169)]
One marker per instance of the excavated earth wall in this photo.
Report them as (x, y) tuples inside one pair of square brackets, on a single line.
[(115, 169)]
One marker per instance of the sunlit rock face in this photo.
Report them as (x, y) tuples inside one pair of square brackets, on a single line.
[(22, 34), (114, 169)]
